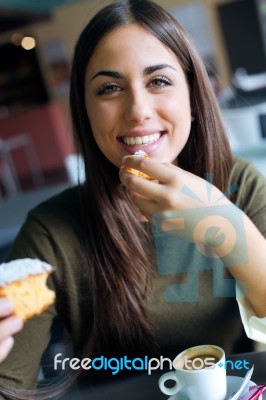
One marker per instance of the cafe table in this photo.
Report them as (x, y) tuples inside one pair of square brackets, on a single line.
[(145, 387)]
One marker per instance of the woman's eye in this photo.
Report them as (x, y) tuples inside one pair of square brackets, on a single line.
[(160, 82), (108, 88)]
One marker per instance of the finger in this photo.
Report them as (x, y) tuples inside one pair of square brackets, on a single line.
[(156, 192), (6, 307), (150, 189), (138, 184), (161, 172), (5, 347), (9, 326), (145, 205)]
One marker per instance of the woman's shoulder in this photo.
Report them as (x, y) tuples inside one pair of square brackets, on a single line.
[(244, 171), (63, 202), (249, 187), (59, 216)]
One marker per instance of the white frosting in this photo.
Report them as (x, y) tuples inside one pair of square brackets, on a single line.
[(140, 153), (19, 269)]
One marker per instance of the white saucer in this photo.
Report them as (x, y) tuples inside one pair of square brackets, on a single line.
[(233, 383)]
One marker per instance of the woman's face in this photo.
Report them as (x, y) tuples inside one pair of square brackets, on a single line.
[(137, 97)]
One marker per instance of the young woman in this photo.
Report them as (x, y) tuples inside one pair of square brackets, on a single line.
[(139, 84)]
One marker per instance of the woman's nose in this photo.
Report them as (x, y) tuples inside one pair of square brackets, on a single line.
[(138, 107)]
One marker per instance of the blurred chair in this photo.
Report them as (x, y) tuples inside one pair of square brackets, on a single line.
[(8, 174)]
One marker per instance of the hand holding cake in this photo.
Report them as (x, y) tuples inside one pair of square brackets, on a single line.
[(136, 172), (166, 191), (23, 282), (23, 294)]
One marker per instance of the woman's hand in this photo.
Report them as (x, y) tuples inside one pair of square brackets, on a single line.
[(9, 325), (173, 189), (188, 204)]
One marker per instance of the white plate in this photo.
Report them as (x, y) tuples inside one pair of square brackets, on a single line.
[(233, 383)]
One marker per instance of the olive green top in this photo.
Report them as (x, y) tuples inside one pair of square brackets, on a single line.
[(187, 306)]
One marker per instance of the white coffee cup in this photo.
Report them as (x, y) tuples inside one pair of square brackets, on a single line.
[(200, 372)]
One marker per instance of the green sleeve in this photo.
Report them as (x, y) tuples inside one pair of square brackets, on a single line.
[(251, 196), (21, 367)]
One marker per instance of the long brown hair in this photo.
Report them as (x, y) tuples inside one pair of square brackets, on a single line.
[(116, 244)]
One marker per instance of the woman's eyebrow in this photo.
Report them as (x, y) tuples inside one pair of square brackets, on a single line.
[(147, 71), (153, 68), (112, 74)]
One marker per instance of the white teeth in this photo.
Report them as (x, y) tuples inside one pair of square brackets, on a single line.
[(138, 140), (145, 139)]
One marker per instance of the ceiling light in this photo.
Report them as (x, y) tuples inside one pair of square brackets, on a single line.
[(28, 43)]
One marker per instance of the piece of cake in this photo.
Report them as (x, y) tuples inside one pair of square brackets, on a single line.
[(23, 282), (134, 171)]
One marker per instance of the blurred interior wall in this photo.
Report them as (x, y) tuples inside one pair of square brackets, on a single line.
[(68, 21)]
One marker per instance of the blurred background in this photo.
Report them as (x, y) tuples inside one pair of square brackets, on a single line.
[(37, 157)]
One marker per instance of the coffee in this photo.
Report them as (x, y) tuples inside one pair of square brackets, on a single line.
[(198, 358)]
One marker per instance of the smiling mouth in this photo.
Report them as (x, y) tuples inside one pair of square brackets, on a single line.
[(141, 140)]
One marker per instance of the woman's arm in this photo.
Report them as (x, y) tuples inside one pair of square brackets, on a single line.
[(222, 227)]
